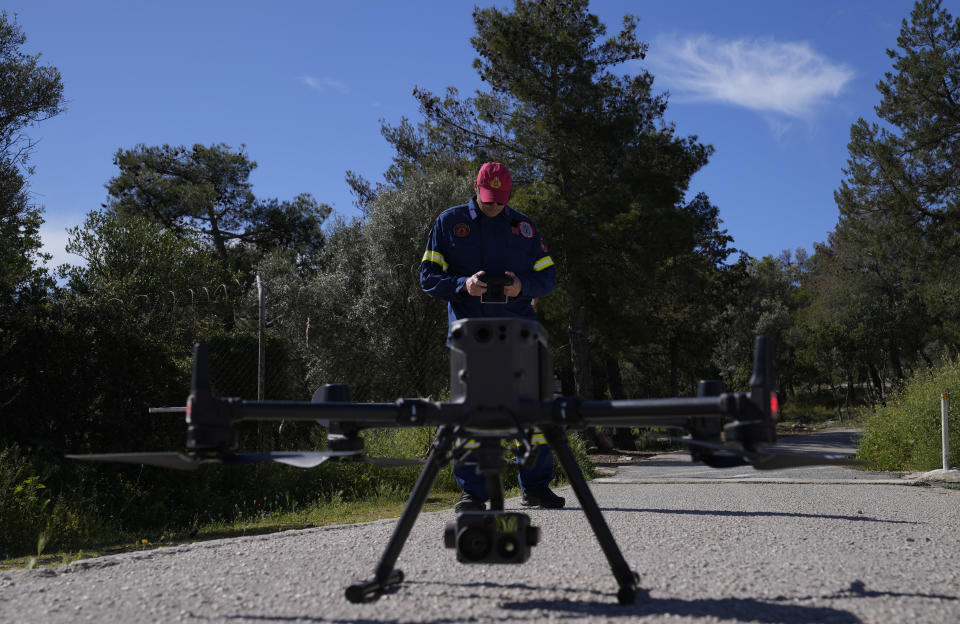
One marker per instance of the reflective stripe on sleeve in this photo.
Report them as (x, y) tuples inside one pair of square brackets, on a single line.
[(543, 263), (471, 444), (433, 256), (535, 439)]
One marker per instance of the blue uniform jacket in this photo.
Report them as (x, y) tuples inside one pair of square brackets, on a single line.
[(464, 241)]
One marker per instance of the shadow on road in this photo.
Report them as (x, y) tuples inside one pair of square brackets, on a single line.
[(739, 514), (858, 589), (742, 609), (758, 514), (585, 602), (590, 602)]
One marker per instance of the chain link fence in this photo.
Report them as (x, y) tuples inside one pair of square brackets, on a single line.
[(252, 356)]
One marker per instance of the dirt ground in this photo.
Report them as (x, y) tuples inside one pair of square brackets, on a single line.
[(606, 462)]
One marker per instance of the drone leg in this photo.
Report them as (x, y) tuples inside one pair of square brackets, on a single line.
[(626, 578), (495, 491), (385, 577), (490, 464)]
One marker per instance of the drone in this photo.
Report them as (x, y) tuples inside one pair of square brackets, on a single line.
[(501, 381)]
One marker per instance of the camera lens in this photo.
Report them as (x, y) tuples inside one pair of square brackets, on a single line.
[(507, 547), (483, 334), (474, 544)]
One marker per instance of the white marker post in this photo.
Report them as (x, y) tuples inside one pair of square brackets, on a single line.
[(945, 428)]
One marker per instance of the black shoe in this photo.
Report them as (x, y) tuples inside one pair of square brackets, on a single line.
[(542, 497), (469, 502)]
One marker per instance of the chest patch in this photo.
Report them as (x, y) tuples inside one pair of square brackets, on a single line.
[(526, 230), (461, 230)]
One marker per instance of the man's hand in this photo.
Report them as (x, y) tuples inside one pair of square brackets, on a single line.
[(513, 290), (475, 286)]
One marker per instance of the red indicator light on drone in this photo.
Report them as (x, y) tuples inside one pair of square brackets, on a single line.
[(774, 406)]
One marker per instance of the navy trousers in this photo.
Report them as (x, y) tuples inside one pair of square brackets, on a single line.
[(539, 476)]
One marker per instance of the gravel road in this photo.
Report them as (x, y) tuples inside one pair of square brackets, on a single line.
[(805, 546)]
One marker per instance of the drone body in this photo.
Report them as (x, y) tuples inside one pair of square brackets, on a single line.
[(501, 379)]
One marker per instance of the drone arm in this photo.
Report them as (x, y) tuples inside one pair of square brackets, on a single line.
[(573, 412), (211, 417), (222, 412), (363, 414)]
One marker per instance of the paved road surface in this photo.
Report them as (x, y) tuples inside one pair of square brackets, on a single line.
[(801, 546)]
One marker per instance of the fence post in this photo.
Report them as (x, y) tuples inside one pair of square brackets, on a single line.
[(945, 428), (262, 356), (261, 339)]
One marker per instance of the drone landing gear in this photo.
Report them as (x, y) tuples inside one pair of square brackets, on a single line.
[(626, 578), (386, 578)]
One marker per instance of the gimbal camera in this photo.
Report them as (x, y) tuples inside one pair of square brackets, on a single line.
[(501, 380)]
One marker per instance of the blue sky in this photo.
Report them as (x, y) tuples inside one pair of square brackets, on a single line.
[(773, 86)]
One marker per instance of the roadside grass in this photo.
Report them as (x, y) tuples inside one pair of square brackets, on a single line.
[(317, 515), (905, 434), (227, 502)]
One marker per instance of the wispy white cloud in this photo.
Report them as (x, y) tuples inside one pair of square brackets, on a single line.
[(54, 237), (778, 127), (759, 74), (326, 84)]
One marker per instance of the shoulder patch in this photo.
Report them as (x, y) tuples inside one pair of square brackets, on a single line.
[(526, 229), (461, 230)]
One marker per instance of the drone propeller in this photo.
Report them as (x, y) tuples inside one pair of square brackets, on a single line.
[(191, 461), (299, 459), (177, 461), (725, 456)]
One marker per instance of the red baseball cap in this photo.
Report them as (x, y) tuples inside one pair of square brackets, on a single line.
[(493, 183)]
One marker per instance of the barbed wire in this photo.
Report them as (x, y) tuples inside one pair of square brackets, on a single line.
[(227, 317)]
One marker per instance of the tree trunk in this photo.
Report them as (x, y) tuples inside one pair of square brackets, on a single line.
[(615, 379), (580, 360), (622, 436), (850, 393), (838, 398), (877, 383), (218, 242), (580, 350), (895, 362), (674, 366)]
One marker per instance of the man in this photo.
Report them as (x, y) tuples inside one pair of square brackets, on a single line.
[(478, 241)]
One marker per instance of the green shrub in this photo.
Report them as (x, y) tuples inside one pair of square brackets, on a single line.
[(579, 448), (905, 435), (415, 443), (23, 502), (32, 516)]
